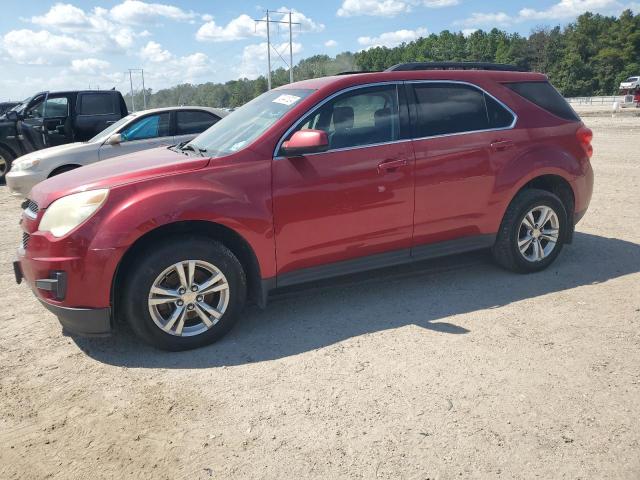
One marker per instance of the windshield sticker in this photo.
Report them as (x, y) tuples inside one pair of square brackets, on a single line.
[(237, 146), (287, 100)]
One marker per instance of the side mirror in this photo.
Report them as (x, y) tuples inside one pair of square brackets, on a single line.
[(12, 115), (115, 139), (304, 142)]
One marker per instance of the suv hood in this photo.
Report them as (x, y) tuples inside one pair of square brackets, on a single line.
[(139, 166)]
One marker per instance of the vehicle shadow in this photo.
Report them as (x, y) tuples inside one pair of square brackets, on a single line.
[(425, 294)]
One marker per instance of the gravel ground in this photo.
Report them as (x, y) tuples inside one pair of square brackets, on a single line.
[(449, 369)]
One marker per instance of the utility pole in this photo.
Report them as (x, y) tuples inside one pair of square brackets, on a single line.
[(268, 21), (133, 102), (144, 91), (268, 55), (290, 50)]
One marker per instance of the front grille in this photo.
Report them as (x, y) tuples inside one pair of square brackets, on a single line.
[(25, 240), (31, 206)]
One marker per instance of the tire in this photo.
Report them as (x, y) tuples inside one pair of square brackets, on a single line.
[(63, 169), (514, 230), (6, 159), (157, 269)]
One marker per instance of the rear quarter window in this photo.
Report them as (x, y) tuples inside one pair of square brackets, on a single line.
[(546, 97)]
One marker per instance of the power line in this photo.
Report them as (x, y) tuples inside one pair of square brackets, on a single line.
[(269, 21)]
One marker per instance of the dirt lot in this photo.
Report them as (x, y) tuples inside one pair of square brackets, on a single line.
[(450, 369)]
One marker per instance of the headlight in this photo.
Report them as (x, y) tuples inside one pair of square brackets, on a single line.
[(27, 164), (68, 212)]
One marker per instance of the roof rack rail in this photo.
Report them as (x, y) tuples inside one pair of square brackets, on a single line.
[(352, 72), (411, 66)]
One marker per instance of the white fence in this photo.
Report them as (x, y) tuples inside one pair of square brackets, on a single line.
[(601, 100)]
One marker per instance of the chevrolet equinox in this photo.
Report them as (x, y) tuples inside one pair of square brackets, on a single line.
[(314, 179)]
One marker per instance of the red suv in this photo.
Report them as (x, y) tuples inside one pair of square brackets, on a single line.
[(318, 178)]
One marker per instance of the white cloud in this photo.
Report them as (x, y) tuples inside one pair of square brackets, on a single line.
[(154, 52), (42, 47), (493, 19), (468, 31), (62, 16), (330, 43), (136, 12), (387, 8), (568, 9), (237, 29), (378, 8), (254, 58), (89, 65), (244, 26), (565, 9), (440, 3), (392, 39)]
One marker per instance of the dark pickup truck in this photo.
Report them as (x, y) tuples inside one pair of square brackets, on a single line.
[(53, 118)]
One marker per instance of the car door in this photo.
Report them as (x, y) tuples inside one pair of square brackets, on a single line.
[(148, 131), (30, 126), (458, 128), (95, 112), (190, 123), (57, 120), (353, 203)]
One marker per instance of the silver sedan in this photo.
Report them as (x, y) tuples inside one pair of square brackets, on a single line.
[(135, 132)]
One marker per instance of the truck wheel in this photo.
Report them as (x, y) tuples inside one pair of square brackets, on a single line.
[(6, 157), (532, 232), (185, 293)]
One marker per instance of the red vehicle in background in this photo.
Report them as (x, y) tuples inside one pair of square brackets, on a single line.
[(318, 178)]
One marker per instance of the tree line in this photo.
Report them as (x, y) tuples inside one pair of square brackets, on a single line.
[(588, 57)]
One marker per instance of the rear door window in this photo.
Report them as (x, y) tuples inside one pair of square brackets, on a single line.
[(448, 108), (546, 97), (193, 121), (365, 116), (151, 126), (97, 104)]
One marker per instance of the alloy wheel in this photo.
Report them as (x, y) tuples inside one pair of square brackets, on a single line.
[(188, 298), (538, 233)]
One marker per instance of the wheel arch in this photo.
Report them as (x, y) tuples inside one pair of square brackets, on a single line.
[(6, 147), (63, 168), (215, 231), (559, 186)]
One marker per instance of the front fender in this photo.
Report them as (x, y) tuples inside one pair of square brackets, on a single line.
[(238, 198)]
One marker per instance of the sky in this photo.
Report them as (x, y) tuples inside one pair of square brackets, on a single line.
[(53, 45)]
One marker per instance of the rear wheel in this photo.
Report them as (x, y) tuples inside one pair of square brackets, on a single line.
[(185, 294), (532, 232), (6, 158)]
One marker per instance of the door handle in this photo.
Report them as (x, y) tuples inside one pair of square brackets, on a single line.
[(391, 165), (501, 145)]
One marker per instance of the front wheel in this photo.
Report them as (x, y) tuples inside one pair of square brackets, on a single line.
[(6, 158), (185, 294), (532, 232)]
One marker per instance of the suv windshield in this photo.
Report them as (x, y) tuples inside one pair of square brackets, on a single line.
[(106, 133), (631, 79), (237, 130)]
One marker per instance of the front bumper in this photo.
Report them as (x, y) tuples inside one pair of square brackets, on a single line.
[(91, 322), (74, 321), (20, 183)]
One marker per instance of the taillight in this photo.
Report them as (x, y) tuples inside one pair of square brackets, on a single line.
[(585, 135)]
